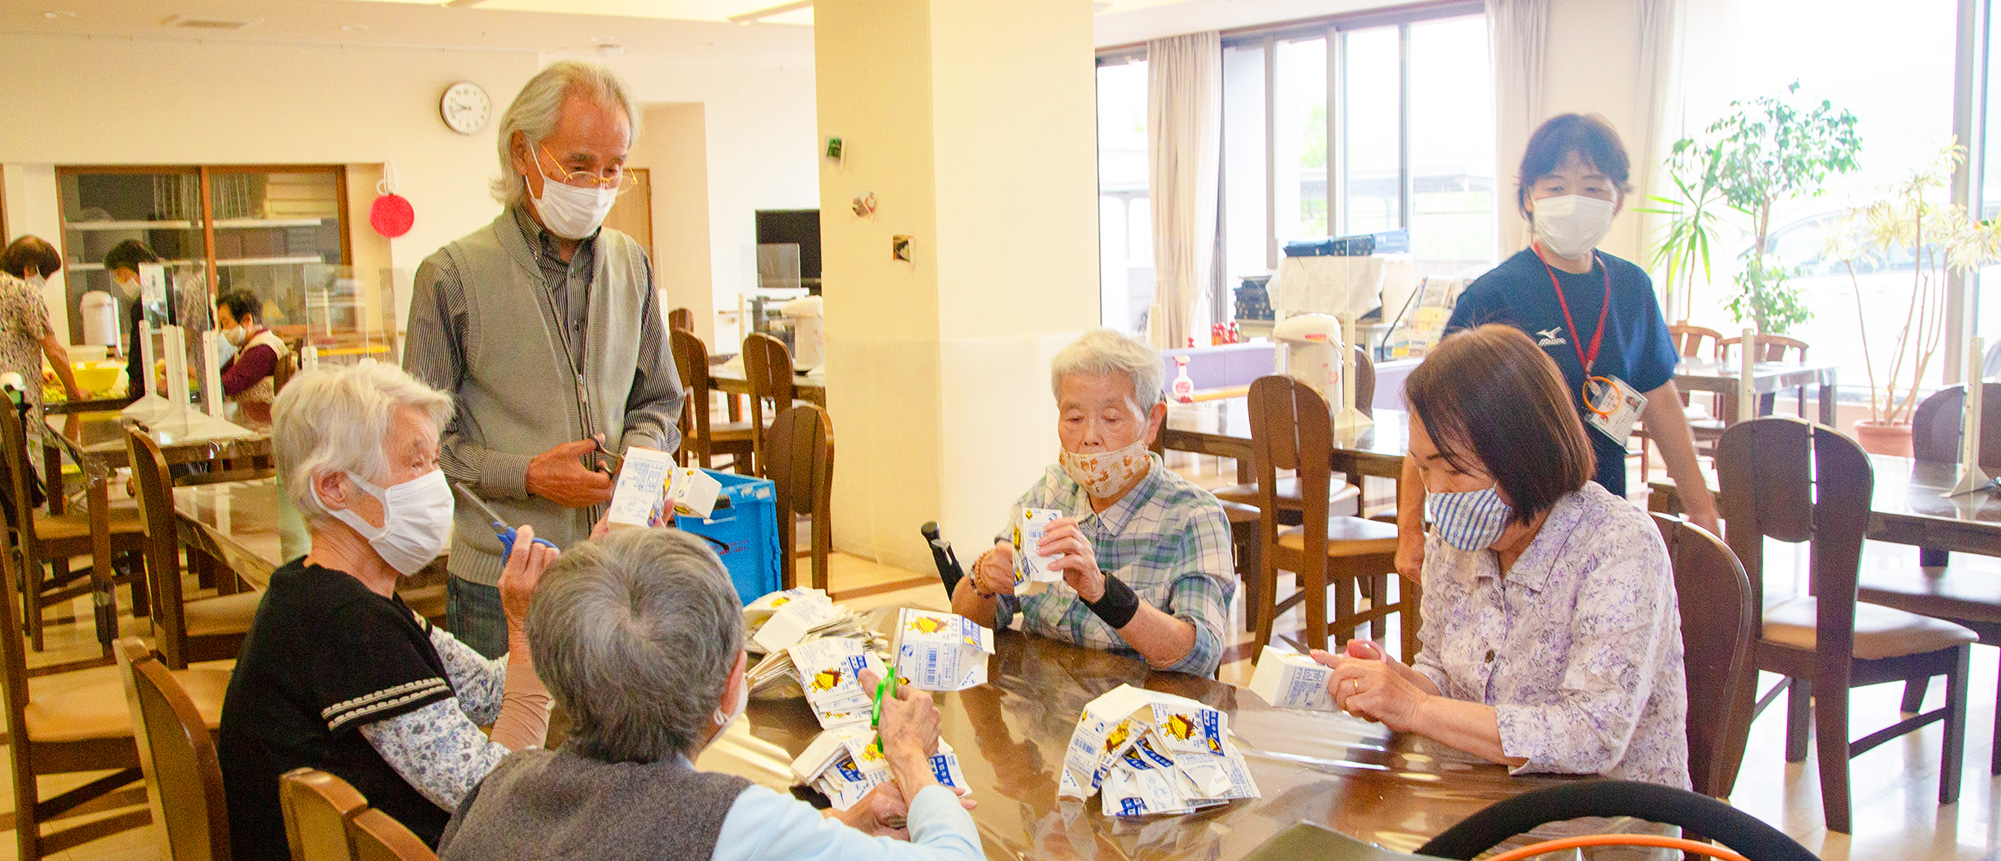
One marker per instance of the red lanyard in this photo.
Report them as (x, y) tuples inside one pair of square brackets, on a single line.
[(1598, 337)]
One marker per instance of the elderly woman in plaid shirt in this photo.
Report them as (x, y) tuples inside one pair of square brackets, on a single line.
[(1145, 555)]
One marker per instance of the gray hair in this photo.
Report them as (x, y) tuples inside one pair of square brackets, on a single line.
[(1105, 351), (335, 419), (540, 104), (635, 637)]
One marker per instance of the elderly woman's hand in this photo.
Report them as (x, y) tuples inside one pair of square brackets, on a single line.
[(909, 731), (993, 573), (880, 813), (1366, 685), (524, 569), (1078, 562)]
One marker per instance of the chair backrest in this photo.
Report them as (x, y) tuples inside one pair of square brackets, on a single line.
[(288, 366), (681, 320), (1365, 381), (317, 808), (1796, 481), (691, 360), (14, 661), (163, 544), (1716, 636), (800, 449), (183, 776), (377, 836), (1291, 429), (14, 441), (1771, 348), (767, 364), (1937, 427), (1688, 340)]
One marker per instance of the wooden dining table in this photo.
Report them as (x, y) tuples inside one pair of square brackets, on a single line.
[(1725, 379), (234, 522), (1010, 735), (1907, 506), (1222, 427), (729, 377)]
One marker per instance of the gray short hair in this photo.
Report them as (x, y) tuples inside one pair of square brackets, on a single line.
[(635, 637), (1105, 351), (335, 419), (540, 104)]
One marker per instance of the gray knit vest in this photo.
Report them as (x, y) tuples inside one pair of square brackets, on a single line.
[(518, 392), (558, 804)]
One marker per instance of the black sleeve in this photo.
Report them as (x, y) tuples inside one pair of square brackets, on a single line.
[(372, 665), (135, 384)]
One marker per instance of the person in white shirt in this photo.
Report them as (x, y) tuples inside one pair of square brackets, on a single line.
[(639, 637)]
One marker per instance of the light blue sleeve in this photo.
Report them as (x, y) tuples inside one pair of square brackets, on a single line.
[(764, 824)]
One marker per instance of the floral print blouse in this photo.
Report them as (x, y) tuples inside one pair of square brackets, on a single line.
[(1578, 648), (24, 318)]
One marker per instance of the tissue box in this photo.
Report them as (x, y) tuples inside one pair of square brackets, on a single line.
[(940, 651), (642, 489), (1153, 753), (1031, 567), (1290, 680)]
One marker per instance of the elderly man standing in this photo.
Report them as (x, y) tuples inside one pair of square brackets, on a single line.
[(543, 327)]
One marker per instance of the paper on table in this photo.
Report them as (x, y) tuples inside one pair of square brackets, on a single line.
[(941, 651)]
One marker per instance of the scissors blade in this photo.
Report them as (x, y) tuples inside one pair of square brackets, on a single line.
[(478, 504)]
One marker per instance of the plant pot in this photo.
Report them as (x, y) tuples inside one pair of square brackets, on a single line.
[(1891, 438)]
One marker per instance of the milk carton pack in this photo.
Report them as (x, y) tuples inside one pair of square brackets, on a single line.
[(829, 672), (1031, 569), (784, 618), (1152, 753), (1290, 680), (642, 490), (940, 651), (844, 763), (694, 491)]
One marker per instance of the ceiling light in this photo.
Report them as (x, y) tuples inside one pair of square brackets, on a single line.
[(196, 22), (611, 49), (58, 14), (761, 14), (353, 27)]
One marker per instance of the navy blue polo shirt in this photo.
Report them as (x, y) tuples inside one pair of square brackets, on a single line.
[(1636, 346)]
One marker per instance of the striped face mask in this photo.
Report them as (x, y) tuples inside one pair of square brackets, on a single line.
[(1469, 520)]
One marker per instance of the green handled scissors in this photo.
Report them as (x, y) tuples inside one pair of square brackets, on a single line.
[(884, 688)]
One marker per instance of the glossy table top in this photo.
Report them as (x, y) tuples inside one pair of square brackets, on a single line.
[(1010, 735), (236, 522), (1223, 427), (1907, 506), (99, 437), (1766, 377)]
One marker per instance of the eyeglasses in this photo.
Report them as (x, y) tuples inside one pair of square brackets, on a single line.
[(621, 181)]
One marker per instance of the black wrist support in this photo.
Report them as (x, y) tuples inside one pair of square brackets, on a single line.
[(1117, 605)]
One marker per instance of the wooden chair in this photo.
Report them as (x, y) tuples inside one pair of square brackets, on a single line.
[(767, 365), (54, 536), (82, 726), (379, 837), (1702, 422), (702, 440), (1346, 498), (1771, 348), (187, 629), (681, 320), (1244, 538), (1716, 636), (1793, 481), (801, 467), (177, 757), (1291, 429), (1962, 590), (317, 809), (287, 368)]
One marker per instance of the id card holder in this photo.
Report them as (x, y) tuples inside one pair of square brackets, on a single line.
[(1612, 406)]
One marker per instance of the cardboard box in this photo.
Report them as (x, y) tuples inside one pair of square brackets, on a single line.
[(1290, 680), (940, 651)]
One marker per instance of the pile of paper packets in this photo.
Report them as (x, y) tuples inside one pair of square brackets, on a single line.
[(1152, 753), (780, 620), (846, 762)]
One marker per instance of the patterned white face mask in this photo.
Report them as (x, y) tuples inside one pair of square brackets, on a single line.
[(1104, 473)]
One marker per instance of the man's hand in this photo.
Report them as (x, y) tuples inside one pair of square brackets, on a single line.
[(1079, 563), (559, 476), (523, 571)]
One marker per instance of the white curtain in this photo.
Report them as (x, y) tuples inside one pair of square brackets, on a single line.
[(1658, 108), (1184, 125), (1518, 31)]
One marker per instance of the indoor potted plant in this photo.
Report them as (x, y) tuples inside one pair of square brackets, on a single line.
[(1912, 217)]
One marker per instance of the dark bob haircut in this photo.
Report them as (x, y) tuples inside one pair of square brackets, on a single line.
[(242, 304), (1493, 401), (1588, 135), (30, 252), (128, 255)]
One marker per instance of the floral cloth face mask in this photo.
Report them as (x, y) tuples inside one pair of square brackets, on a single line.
[(1107, 472)]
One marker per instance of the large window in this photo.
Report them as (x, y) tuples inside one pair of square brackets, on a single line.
[(1125, 215)]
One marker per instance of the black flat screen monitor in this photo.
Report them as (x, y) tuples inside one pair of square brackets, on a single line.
[(794, 226)]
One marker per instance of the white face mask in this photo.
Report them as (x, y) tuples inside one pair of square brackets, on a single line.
[(416, 520), (129, 288), (1104, 473), (723, 719), (1571, 225), (569, 211), (37, 281), (234, 335)]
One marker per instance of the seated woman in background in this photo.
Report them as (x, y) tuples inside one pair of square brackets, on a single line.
[(247, 376), (640, 636), (337, 673), (1144, 553), (1551, 640)]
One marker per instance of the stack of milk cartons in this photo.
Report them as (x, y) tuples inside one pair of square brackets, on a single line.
[(844, 763), (1152, 753), (778, 620)]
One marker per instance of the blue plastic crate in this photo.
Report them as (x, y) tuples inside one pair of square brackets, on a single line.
[(744, 526)]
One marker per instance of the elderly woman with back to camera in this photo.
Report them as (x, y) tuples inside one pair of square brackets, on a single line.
[(639, 637), (337, 673)]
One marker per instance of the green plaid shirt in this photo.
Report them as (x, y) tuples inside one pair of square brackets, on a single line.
[(1167, 539)]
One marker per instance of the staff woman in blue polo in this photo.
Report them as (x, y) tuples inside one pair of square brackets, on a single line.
[(1593, 313)]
